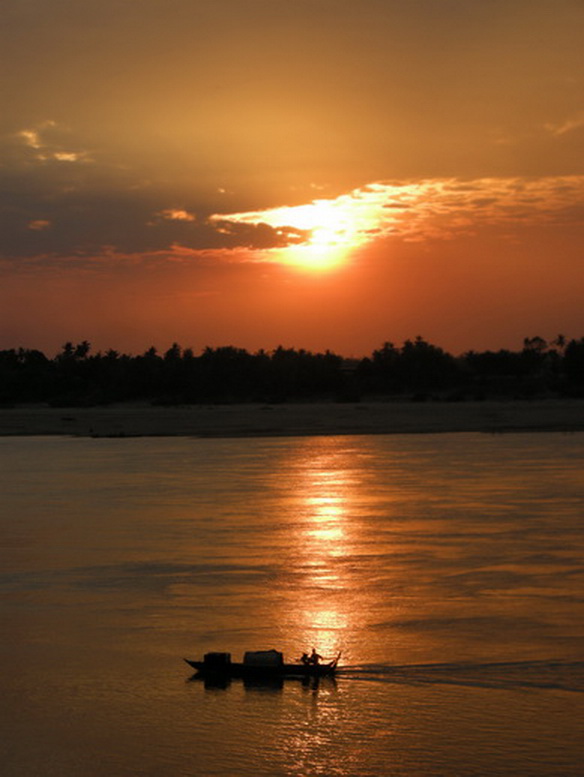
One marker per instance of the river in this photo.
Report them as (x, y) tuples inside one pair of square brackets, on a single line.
[(447, 568)]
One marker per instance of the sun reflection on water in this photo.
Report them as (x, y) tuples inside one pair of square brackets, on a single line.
[(327, 488), (328, 514)]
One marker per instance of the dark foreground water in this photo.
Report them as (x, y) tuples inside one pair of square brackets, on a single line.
[(449, 569)]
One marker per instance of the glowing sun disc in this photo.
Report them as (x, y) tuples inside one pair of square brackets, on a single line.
[(333, 228)]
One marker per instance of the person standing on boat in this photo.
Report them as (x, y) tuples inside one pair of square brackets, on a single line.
[(314, 658)]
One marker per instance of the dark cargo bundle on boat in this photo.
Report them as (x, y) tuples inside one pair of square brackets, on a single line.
[(217, 660), (266, 659)]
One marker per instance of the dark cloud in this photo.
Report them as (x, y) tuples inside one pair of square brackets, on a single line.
[(57, 199)]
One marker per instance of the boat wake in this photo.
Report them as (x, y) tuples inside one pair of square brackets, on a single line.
[(515, 675)]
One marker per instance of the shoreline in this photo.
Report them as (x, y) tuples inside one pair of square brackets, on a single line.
[(262, 420)]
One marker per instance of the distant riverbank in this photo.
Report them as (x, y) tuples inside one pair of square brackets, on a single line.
[(261, 420)]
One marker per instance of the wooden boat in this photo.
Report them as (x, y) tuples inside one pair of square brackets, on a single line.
[(260, 664)]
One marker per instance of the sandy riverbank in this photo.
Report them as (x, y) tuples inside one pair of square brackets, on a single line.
[(297, 419)]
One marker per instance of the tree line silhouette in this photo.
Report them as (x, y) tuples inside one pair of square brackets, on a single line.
[(416, 371)]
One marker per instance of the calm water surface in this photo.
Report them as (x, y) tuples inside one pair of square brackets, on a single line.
[(447, 568)]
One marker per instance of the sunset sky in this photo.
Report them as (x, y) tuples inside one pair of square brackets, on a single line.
[(311, 173)]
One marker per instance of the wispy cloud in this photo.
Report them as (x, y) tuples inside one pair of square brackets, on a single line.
[(176, 214), (431, 209), (38, 225), (575, 122), (48, 141)]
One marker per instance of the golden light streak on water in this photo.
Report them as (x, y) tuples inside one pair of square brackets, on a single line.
[(327, 487)]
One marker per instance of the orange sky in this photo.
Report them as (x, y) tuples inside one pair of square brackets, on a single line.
[(315, 173)]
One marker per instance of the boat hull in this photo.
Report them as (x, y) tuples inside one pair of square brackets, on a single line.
[(236, 670)]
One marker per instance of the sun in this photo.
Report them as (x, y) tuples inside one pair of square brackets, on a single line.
[(315, 256), (328, 229)]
